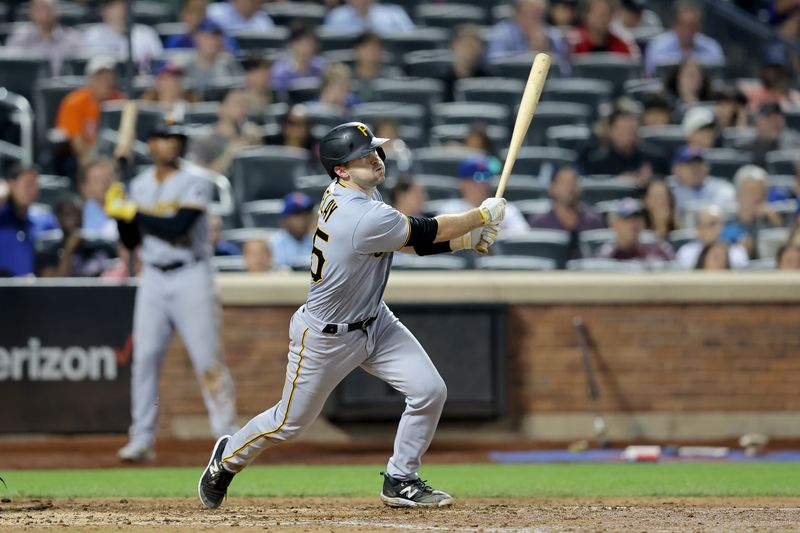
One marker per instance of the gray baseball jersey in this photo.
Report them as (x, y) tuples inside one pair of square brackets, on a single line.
[(182, 299), (350, 264), (182, 188), (352, 254)]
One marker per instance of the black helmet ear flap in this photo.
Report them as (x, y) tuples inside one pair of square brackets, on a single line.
[(381, 153)]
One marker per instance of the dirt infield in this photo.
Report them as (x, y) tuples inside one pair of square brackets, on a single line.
[(315, 515)]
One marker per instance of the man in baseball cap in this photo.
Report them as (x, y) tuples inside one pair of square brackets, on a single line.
[(699, 127), (627, 221), (771, 133), (691, 183), (291, 246)]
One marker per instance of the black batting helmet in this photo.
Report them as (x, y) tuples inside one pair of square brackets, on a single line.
[(347, 142), (169, 129)]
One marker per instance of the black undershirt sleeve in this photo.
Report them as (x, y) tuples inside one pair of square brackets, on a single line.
[(129, 234), (422, 230), (433, 248), (169, 228)]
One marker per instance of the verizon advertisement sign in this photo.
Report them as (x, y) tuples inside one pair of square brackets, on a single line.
[(65, 355)]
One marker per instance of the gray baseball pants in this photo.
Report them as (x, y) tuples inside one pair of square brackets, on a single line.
[(319, 361)]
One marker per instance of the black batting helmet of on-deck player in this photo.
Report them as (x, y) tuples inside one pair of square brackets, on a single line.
[(347, 142)]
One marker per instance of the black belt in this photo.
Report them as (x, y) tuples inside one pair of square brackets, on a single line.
[(171, 266), (362, 324)]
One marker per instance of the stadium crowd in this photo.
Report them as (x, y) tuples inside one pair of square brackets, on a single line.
[(645, 152)]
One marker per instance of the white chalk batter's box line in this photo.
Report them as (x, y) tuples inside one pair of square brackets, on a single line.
[(411, 527)]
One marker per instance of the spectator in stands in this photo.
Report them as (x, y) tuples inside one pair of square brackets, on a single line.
[(257, 255), (72, 256), (771, 133), (478, 139), (467, 48), (595, 33), (19, 225), (688, 83), (231, 134), (169, 92), (408, 196), (301, 62), (709, 223), (633, 16), (684, 39), (627, 221), (714, 256), (110, 36), (95, 178), (46, 36), (656, 110), (775, 81), (210, 62), (398, 154), (690, 182), (192, 14), (568, 213), (369, 15), (118, 270), (295, 129), (239, 15), (335, 93), (659, 209), (753, 212), (257, 86), (563, 13), (369, 65), (785, 15), (622, 153), (788, 258), (527, 31), (731, 108), (79, 113), (700, 128), (475, 176), (220, 246), (291, 246)]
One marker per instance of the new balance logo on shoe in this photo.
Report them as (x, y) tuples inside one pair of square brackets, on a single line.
[(409, 491)]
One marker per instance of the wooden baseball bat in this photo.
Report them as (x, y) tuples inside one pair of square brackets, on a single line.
[(126, 135), (527, 107)]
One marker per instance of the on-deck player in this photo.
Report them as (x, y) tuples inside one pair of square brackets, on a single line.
[(344, 323), (166, 214)]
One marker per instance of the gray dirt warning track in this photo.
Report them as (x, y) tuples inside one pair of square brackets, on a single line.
[(316, 515)]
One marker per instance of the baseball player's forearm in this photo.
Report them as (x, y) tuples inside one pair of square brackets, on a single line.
[(169, 228), (454, 226)]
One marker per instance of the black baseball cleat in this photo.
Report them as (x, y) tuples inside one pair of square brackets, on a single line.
[(412, 493), (213, 485)]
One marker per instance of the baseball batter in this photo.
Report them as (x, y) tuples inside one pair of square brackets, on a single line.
[(344, 323), (166, 214)]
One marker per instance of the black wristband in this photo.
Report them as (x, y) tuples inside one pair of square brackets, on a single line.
[(433, 248)]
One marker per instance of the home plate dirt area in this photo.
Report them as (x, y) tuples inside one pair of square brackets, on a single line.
[(360, 514)]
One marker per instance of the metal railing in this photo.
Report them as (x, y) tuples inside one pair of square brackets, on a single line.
[(22, 116)]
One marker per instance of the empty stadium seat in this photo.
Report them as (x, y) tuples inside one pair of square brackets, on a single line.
[(19, 71), (401, 43), (216, 89), (428, 262), (285, 13), (533, 208), (605, 265), (783, 161), (405, 114), (515, 262), (425, 91), (348, 57), (662, 139), (505, 91), (47, 96), (515, 66), (201, 113), (578, 90), (792, 118), (303, 89), (335, 39), (541, 161), (428, 63), (724, 162), (265, 172), (770, 240), (439, 187), (738, 137), (313, 185), (448, 133), (679, 237), (151, 13), (550, 114), (571, 137), (595, 191), (548, 243), (469, 113), (228, 263), (262, 214), (53, 189), (521, 188), (272, 39), (449, 16), (442, 160), (638, 88), (592, 240), (615, 68)]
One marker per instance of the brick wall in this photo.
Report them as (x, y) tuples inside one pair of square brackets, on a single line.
[(649, 358)]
